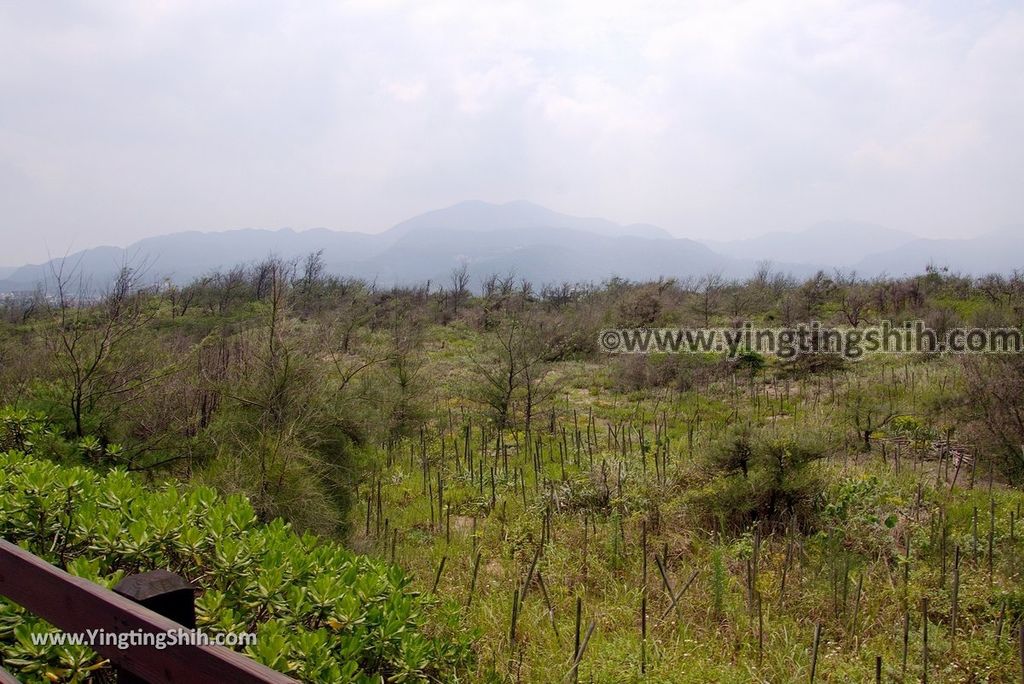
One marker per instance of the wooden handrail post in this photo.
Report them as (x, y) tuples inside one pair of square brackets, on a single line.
[(164, 593), (74, 604)]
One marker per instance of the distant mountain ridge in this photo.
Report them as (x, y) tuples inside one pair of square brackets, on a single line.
[(1001, 251), (477, 216), (536, 244), (830, 244)]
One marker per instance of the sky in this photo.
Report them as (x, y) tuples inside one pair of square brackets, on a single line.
[(124, 119)]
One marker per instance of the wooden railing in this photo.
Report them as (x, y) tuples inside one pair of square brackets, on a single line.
[(75, 605)]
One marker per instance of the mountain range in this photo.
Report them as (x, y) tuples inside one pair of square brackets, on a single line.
[(540, 245)]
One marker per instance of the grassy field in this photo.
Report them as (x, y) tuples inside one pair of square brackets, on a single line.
[(576, 536), (564, 514)]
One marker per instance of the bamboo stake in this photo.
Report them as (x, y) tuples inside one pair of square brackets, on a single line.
[(814, 650)]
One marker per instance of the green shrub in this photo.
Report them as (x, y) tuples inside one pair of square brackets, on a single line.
[(20, 430), (320, 612), (760, 477)]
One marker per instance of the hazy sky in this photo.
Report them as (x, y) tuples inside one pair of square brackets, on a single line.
[(120, 120)]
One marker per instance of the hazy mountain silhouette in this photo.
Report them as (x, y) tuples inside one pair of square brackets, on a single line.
[(477, 216), (830, 244), (533, 243), (541, 255), (184, 256), (1000, 251)]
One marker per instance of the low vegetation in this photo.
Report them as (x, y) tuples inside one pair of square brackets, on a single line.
[(319, 612), (494, 499)]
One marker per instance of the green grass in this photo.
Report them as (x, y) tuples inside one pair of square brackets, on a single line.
[(866, 512)]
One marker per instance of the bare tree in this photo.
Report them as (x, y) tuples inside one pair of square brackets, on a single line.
[(516, 369), (854, 297), (814, 292), (90, 344), (868, 410), (996, 287), (709, 290), (181, 298), (231, 285), (20, 308), (996, 389), (459, 280)]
